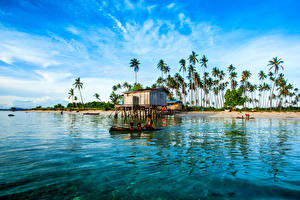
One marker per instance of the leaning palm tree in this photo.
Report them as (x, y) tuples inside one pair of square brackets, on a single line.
[(97, 96), (78, 84), (134, 63), (276, 64)]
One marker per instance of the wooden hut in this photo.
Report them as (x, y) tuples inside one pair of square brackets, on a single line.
[(146, 97), (139, 103)]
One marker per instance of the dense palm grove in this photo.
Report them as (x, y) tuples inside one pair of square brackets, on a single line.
[(198, 87)]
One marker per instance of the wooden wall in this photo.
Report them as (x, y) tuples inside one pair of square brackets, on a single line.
[(146, 98)]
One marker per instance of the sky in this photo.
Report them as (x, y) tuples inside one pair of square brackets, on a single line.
[(45, 45)]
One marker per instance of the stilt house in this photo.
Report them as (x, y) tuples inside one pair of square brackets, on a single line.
[(146, 97)]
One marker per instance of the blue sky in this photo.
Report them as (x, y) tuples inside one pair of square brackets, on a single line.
[(45, 45)]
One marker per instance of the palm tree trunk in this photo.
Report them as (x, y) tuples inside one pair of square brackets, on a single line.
[(81, 98), (271, 96)]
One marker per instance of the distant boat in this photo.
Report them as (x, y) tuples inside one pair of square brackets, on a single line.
[(16, 108), (91, 113), (11, 115)]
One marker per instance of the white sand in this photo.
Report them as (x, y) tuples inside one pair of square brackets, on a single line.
[(277, 115)]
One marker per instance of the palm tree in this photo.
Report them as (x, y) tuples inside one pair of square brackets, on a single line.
[(71, 94), (75, 100), (231, 68), (203, 63), (78, 84), (276, 64), (261, 76), (162, 67), (245, 76), (232, 77), (197, 85), (179, 80), (167, 70), (97, 96), (134, 63), (182, 66), (160, 81), (127, 86), (205, 81), (193, 58)]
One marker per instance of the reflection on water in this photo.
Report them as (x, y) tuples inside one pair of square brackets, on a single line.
[(73, 156)]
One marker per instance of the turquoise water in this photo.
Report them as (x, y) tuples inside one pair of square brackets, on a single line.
[(71, 156)]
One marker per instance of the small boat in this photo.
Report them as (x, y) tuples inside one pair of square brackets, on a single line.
[(11, 115), (91, 113), (245, 118), (125, 129)]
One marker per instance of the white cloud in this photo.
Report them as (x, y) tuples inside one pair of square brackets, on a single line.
[(72, 30), (52, 76), (119, 24), (170, 6)]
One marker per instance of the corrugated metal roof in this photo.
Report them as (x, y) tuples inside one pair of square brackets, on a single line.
[(174, 101), (144, 90)]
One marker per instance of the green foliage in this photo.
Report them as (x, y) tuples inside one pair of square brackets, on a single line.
[(199, 108), (115, 98), (136, 86), (234, 98), (58, 106), (95, 105)]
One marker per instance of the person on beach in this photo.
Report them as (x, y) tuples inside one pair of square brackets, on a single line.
[(149, 124), (247, 116), (131, 126), (139, 127)]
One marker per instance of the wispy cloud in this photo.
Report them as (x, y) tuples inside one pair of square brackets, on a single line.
[(118, 23), (170, 6)]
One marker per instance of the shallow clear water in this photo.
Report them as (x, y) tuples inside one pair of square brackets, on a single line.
[(70, 156)]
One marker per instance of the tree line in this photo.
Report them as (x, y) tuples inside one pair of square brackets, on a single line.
[(208, 89)]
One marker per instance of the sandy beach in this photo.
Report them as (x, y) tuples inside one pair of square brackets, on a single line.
[(276, 115)]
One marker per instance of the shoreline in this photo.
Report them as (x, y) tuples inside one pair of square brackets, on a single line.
[(209, 114), (235, 114)]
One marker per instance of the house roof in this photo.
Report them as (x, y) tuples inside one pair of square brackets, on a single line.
[(146, 90), (174, 101)]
